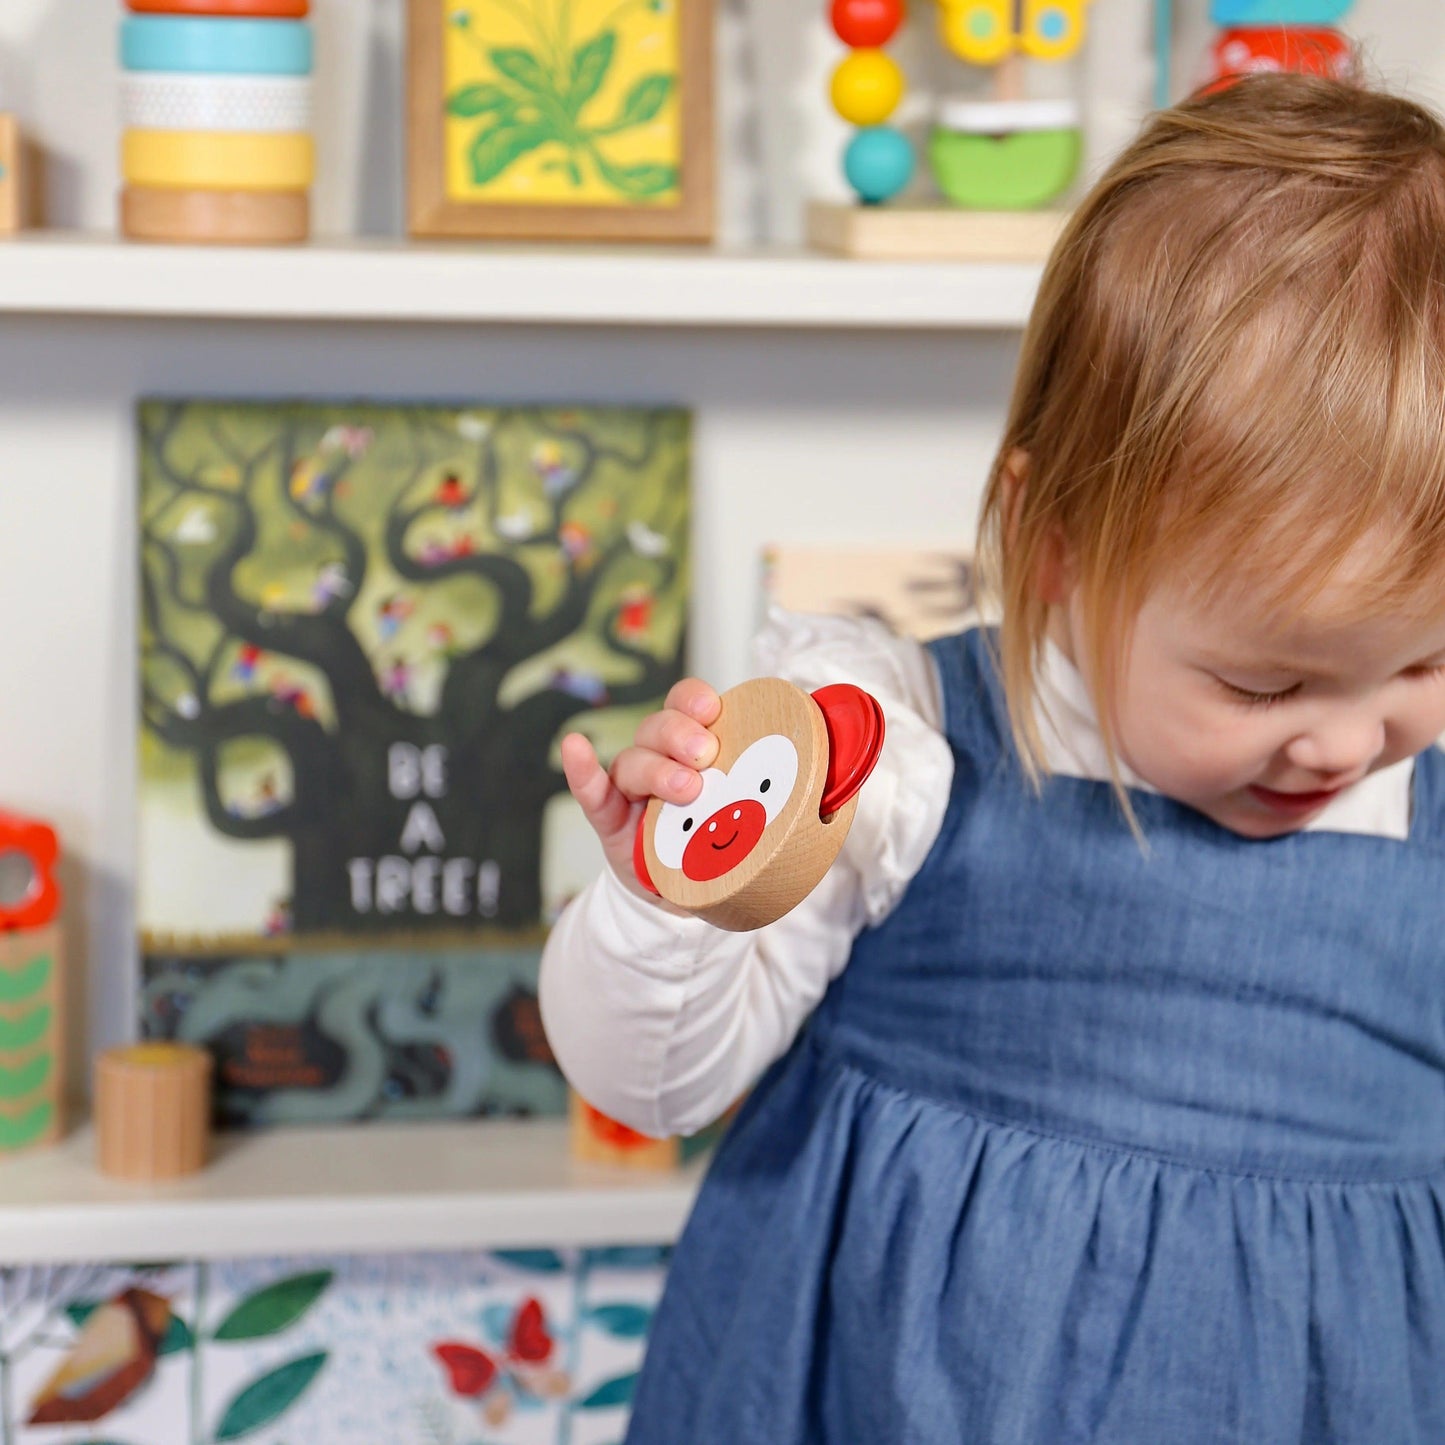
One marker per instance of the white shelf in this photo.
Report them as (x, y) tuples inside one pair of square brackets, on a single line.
[(368, 1188), (72, 274)]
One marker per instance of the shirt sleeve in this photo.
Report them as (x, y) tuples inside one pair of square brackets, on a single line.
[(662, 1021)]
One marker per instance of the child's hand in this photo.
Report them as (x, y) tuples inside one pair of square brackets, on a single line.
[(663, 762)]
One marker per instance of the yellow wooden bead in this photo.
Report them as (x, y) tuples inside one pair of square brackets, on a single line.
[(867, 86), (218, 160)]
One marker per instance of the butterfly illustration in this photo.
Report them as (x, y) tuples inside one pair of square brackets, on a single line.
[(522, 1369)]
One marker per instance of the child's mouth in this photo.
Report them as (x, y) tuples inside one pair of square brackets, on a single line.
[(1292, 805)]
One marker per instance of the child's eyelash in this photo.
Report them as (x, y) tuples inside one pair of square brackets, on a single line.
[(1258, 699), (1428, 670)]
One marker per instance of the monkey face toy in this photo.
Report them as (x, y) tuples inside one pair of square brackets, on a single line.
[(775, 806)]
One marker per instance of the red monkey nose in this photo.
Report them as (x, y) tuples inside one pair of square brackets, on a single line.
[(722, 842), (854, 720)]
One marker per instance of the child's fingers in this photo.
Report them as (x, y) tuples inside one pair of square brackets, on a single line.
[(695, 699), (606, 809), (677, 736), (643, 773)]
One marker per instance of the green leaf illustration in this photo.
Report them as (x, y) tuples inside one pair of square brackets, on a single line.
[(589, 69), (638, 181), (276, 1307), (27, 1128), (178, 1337), (16, 1083), (270, 1396), (507, 141), (473, 100), (523, 67), (617, 1391), (28, 1029), (627, 1256), (624, 1322), (540, 1259), (643, 102), (20, 983)]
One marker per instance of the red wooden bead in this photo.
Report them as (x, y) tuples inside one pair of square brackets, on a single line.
[(866, 24)]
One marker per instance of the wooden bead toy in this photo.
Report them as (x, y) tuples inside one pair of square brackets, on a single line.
[(32, 1037), (235, 218), (235, 9), (775, 805), (152, 1111), (987, 156)]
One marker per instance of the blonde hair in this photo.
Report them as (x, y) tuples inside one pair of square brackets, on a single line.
[(1236, 361)]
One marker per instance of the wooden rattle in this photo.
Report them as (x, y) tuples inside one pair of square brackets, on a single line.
[(775, 805)]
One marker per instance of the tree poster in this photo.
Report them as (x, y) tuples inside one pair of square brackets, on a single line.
[(364, 631)]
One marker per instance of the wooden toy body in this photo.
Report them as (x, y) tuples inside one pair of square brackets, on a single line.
[(754, 843), (32, 1037)]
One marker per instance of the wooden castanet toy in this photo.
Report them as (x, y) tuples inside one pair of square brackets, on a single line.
[(775, 805)]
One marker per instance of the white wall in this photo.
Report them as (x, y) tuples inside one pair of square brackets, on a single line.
[(835, 437)]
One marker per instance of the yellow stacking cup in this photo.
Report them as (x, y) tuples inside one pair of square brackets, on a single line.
[(218, 160)]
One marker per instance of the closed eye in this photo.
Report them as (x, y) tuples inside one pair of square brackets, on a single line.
[(1258, 699)]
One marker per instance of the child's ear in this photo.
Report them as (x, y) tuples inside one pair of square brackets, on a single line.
[(1054, 577)]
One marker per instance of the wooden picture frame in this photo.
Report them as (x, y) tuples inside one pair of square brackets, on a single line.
[(641, 170)]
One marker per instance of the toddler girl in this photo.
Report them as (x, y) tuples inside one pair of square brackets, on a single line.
[(1107, 1085)]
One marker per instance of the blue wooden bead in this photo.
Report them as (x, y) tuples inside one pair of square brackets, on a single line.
[(878, 162)]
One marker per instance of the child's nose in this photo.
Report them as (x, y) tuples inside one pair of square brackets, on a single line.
[(1343, 745)]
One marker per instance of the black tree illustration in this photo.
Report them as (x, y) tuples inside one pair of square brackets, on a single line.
[(400, 612)]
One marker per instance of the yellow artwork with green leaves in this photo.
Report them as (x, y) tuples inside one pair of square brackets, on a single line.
[(567, 102)]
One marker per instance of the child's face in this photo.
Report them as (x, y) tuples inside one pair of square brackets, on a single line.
[(1258, 722)]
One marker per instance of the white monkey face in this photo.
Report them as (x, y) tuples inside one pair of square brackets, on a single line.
[(716, 831)]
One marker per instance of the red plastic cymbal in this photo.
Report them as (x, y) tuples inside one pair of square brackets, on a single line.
[(854, 720)]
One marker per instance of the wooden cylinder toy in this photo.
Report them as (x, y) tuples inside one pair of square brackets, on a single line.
[(152, 1111), (32, 1035)]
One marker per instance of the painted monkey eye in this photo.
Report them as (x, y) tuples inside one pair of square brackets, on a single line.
[(765, 785), (686, 824)]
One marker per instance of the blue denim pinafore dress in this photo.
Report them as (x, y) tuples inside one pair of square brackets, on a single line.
[(1088, 1145)]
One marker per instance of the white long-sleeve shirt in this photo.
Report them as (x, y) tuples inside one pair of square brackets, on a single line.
[(662, 1021)]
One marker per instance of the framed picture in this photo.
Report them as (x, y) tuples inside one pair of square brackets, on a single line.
[(561, 119)]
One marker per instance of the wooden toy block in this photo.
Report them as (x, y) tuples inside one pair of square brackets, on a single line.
[(152, 1111), (15, 179), (775, 807), (32, 1037)]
